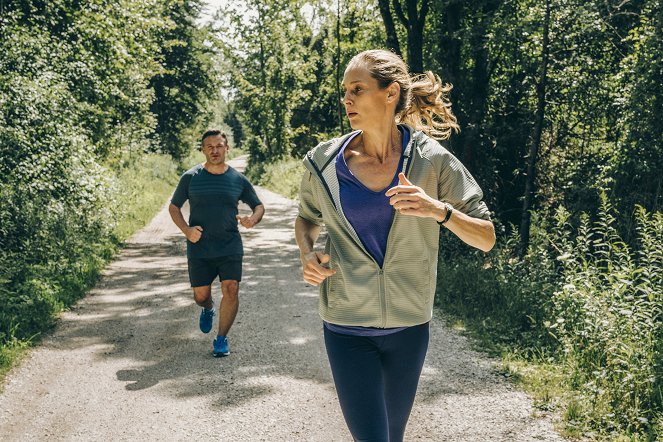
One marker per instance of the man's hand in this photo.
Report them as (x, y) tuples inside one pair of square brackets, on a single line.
[(194, 233), (314, 271), (409, 199), (246, 221)]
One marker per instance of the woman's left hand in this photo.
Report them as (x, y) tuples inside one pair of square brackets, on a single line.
[(409, 199)]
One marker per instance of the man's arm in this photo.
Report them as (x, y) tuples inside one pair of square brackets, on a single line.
[(255, 218), (194, 233)]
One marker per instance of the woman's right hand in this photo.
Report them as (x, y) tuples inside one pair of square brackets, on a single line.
[(314, 271)]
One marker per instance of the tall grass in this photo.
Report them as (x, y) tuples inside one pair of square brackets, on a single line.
[(582, 299), (282, 176), (142, 187)]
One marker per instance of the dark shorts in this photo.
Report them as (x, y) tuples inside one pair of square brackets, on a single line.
[(203, 271)]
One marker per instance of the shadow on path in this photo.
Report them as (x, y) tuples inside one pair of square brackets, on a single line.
[(132, 352)]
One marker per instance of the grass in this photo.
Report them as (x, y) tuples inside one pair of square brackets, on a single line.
[(282, 176), (144, 186), (10, 355), (141, 188)]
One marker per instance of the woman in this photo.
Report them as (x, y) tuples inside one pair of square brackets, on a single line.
[(382, 192)]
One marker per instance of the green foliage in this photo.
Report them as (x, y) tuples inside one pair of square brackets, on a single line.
[(269, 66), (10, 354), (609, 316), (640, 155), (282, 72), (185, 88), (283, 176), (509, 297), (51, 252), (141, 188), (76, 94), (582, 294)]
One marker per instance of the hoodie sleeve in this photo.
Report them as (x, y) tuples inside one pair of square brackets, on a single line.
[(309, 206), (458, 187)]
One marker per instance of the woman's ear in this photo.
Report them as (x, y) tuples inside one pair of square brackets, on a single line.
[(393, 91)]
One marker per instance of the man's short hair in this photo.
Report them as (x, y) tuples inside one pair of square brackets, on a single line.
[(212, 133)]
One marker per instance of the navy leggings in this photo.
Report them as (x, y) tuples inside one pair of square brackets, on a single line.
[(376, 380)]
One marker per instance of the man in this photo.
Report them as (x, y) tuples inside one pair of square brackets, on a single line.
[(214, 245)]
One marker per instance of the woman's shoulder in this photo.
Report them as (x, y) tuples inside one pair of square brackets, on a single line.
[(437, 153), (325, 150), (430, 147)]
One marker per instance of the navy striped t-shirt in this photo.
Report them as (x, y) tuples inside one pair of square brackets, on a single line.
[(214, 200)]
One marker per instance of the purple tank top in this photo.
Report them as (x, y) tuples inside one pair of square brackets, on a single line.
[(369, 212)]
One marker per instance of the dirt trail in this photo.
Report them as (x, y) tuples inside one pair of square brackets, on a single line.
[(129, 363)]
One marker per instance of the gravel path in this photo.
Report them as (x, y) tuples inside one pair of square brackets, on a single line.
[(128, 362)]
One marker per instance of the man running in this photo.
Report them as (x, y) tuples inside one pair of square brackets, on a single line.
[(214, 245)]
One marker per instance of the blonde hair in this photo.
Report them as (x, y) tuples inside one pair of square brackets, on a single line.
[(424, 101)]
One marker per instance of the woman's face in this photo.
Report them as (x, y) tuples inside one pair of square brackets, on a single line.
[(366, 105)]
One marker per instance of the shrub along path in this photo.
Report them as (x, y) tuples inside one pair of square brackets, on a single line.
[(128, 362)]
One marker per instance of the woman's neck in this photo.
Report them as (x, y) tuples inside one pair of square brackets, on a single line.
[(381, 143)]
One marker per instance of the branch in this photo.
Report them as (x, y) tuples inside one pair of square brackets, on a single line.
[(399, 13), (421, 20)]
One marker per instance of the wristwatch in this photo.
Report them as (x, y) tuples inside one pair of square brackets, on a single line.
[(450, 210)]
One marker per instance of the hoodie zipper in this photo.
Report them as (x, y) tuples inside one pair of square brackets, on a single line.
[(405, 169)]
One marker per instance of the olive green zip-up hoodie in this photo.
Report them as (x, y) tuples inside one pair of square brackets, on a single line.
[(400, 293)]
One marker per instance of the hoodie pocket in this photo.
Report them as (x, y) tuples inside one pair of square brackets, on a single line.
[(409, 289)]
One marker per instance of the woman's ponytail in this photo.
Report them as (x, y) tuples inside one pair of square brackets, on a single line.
[(428, 108), (424, 101)]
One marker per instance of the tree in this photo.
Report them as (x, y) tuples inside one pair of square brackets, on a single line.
[(271, 68), (538, 131), (187, 82), (413, 19), (390, 28)]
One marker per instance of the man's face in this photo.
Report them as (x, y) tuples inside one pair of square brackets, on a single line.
[(215, 149)]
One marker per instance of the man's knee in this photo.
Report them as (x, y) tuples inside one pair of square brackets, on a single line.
[(230, 288), (202, 294)]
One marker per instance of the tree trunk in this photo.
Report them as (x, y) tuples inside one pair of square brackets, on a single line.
[(536, 138), (388, 20), (477, 94), (414, 23), (338, 66), (263, 75)]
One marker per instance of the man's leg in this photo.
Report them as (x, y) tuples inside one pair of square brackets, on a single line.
[(229, 306), (230, 274), (201, 276), (203, 296)]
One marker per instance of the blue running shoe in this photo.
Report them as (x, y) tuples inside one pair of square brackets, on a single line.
[(206, 319), (221, 347)]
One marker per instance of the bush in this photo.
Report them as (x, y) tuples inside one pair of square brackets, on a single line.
[(581, 290), (608, 318), (282, 177), (51, 251), (508, 298)]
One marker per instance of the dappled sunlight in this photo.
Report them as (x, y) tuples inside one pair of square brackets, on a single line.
[(136, 339), (301, 340)]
